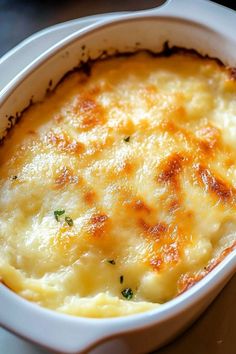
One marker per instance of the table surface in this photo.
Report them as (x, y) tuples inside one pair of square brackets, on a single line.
[(215, 331)]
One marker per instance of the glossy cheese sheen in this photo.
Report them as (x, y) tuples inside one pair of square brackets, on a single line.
[(118, 192)]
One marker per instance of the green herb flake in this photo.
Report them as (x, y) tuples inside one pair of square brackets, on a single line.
[(121, 279), (127, 139), (127, 293), (58, 213), (69, 221), (111, 261)]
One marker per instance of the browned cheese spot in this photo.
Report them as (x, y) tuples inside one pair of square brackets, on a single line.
[(210, 138), (219, 259), (149, 93), (213, 184), (90, 197), (156, 263), (64, 177), (153, 231), (174, 205), (168, 253), (124, 168), (89, 112), (171, 169), (229, 162), (201, 144), (136, 208), (171, 252), (187, 280), (64, 143), (140, 205), (98, 225)]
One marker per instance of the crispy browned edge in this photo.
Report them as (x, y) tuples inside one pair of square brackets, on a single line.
[(86, 65)]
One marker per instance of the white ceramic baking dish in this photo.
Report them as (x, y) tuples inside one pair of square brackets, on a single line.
[(197, 24)]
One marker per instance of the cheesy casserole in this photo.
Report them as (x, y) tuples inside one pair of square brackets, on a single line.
[(118, 191)]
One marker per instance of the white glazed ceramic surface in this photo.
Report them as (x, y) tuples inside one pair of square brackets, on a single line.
[(28, 50), (198, 24)]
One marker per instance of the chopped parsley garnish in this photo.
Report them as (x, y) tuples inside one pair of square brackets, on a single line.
[(58, 213), (127, 293), (127, 139), (121, 279), (111, 261), (69, 221)]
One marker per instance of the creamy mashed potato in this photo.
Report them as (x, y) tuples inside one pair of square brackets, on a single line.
[(118, 192)]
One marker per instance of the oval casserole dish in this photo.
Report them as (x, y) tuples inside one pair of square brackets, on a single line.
[(198, 29)]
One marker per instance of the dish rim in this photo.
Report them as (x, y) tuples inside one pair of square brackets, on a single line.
[(165, 311), (63, 44)]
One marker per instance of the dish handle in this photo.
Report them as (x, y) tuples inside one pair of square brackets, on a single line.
[(207, 13)]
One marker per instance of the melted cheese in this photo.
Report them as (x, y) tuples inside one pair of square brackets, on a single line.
[(140, 158)]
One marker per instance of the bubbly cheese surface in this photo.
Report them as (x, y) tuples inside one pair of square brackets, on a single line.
[(118, 191)]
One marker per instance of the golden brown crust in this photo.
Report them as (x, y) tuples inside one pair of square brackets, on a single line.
[(64, 177), (129, 171), (89, 112), (214, 185), (171, 169), (90, 197), (187, 280), (99, 224), (63, 143)]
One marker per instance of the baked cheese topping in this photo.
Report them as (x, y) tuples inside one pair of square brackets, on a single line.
[(118, 191)]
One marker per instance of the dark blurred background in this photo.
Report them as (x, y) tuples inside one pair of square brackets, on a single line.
[(21, 18)]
